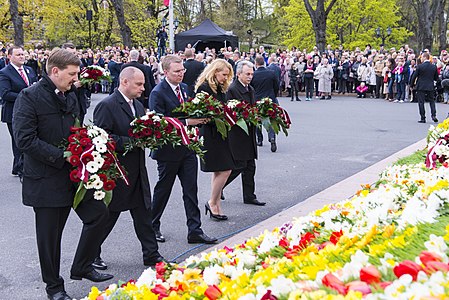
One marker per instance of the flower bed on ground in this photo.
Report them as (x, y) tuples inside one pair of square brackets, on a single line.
[(389, 241)]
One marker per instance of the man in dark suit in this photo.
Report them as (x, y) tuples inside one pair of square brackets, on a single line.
[(2, 60), (265, 84), (14, 78), (243, 146), (46, 174), (147, 72), (114, 67), (176, 161), (193, 70), (114, 114), (423, 81)]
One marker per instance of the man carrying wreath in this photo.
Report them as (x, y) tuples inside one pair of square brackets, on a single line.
[(43, 116)]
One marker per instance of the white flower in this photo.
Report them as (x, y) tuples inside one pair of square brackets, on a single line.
[(156, 118), (270, 241), (99, 140), (99, 195), (98, 184), (281, 286), (99, 161), (175, 278), (96, 154), (92, 131), (148, 278), (101, 148), (195, 101), (211, 274), (437, 245), (92, 167)]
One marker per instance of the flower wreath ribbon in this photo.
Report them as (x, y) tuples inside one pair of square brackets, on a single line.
[(120, 168), (230, 115), (430, 162), (83, 174), (180, 127), (286, 117)]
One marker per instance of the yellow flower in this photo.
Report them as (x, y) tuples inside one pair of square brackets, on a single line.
[(318, 212), (368, 237), (388, 231), (446, 237), (94, 293), (192, 274), (441, 184), (364, 193)]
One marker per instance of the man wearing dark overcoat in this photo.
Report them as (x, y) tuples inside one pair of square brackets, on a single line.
[(42, 119)]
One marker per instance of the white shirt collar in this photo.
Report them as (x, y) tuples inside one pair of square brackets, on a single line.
[(16, 67), (126, 98), (173, 87)]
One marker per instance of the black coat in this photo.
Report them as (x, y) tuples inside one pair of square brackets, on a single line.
[(163, 101), (149, 80), (265, 83), (425, 75), (243, 146), (193, 71), (114, 115), (42, 122), (11, 83)]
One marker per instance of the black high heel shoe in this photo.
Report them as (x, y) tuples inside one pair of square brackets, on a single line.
[(214, 216)]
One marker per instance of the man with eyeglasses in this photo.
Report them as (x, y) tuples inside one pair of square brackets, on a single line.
[(176, 161)]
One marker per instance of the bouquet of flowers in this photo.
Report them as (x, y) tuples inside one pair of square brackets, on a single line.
[(153, 131), (437, 144), (273, 116), (94, 74), (204, 105), (94, 163), (243, 113)]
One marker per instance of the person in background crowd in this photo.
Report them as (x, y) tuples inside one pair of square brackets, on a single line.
[(13, 79), (423, 78), (193, 70), (46, 183), (2, 60), (294, 78), (391, 63), (114, 66), (316, 63), (325, 74), (309, 71), (114, 114), (361, 90), (176, 161), (243, 146), (378, 68), (400, 82), (445, 83), (32, 63), (266, 84), (218, 159), (154, 68)]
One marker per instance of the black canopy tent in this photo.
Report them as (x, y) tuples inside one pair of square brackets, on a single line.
[(207, 34)]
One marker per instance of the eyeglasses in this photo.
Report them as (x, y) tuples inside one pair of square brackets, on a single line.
[(179, 71)]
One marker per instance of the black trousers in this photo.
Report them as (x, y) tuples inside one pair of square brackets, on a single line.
[(308, 83), (17, 165), (379, 86), (187, 172), (50, 222), (142, 226), (422, 96), (248, 170)]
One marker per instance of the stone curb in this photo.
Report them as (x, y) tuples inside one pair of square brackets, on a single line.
[(338, 192)]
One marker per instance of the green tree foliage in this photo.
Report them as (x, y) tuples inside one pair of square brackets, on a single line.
[(351, 23)]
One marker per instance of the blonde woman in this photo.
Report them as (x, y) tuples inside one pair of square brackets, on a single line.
[(215, 80)]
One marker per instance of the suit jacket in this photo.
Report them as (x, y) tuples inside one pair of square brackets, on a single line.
[(193, 71), (149, 79), (11, 83), (425, 74), (114, 115), (42, 122), (265, 84), (276, 69), (163, 100), (243, 146)]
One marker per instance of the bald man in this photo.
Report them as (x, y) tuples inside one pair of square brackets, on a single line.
[(114, 114)]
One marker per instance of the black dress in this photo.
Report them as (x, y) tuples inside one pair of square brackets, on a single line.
[(218, 155)]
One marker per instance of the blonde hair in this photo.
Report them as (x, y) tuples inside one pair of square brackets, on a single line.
[(208, 75)]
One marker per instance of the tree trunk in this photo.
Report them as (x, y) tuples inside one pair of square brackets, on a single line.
[(319, 20), (125, 31), (442, 27), (427, 12), (17, 22)]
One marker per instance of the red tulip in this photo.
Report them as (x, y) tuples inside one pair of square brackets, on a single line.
[(331, 281), (335, 236), (212, 292), (160, 290), (359, 286), (370, 275), (434, 266), (268, 296), (384, 284), (407, 267), (427, 256), (284, 243)]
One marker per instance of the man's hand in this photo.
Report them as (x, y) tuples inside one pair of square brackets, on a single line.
[(194, 122)]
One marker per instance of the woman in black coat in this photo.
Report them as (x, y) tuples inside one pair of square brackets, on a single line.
[(215, 80)]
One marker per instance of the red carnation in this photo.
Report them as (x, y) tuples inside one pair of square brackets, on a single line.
[(74, 176), (148, 122), (83, 132), (157, 134), (111, 145), (73, 138), (106, 165), (87, 158), (103, 177), (75, 149), (147, 132), (74, 160), (74, 129), (85, 142), (109, 185)]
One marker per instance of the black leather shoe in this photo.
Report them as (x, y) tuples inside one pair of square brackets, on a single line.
[(159, 237), (99, 264), (60, 296), (273, 147), (152, 262), (254, 202), (422, 121), (201, 239), (222, 197), (93, 276), (435, 119), (260, 143)]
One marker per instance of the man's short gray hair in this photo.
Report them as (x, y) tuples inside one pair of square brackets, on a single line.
[(134, 55), (242, 63)]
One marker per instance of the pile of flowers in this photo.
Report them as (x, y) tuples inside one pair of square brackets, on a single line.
[(153, 131), (94, 74), (389, 241), (437, 140), (243, 114), (204, 105), (272, 116), (91, 152)]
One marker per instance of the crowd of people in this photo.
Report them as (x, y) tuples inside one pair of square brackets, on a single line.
[(142, 80)]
